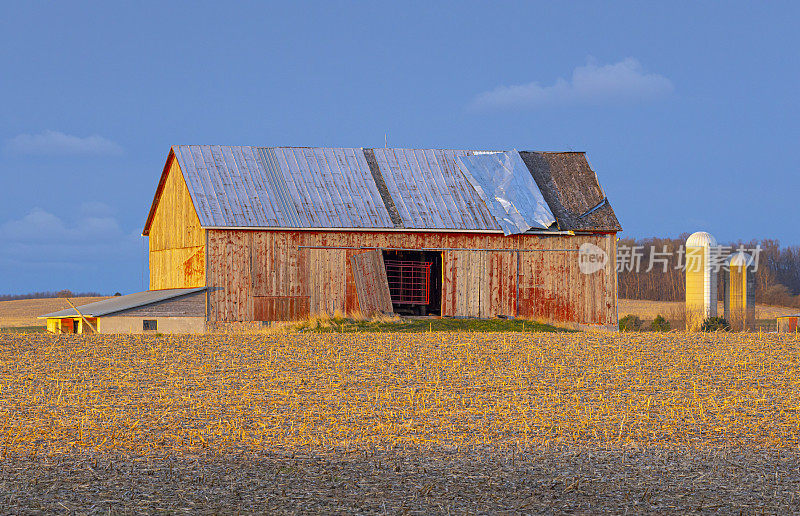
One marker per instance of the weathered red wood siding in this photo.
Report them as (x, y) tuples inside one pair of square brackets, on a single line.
[(266, 275)]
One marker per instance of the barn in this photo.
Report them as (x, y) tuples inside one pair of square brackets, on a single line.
[(278, 233)]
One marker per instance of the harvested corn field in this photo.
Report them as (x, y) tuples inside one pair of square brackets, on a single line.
[(432, 422)]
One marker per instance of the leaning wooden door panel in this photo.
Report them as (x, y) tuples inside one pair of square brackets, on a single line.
[(372, 286)]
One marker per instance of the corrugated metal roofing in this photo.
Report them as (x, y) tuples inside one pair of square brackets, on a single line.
[(120, 303), (281, 187), (303, 187), (327, 188), (429, 190)]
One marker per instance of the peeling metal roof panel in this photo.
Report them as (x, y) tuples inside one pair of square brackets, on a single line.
[(119, 303), (507, 188)]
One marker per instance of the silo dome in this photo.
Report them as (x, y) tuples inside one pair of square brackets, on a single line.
[(739, 259), (701, 239), (701, 279)]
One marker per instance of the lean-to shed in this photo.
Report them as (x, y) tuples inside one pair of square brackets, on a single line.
[(180, 310), (278, 233)]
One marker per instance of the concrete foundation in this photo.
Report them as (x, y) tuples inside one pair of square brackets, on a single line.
[(128, 324)]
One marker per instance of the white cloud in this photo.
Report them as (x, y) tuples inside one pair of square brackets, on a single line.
[(592, 84), (86, 250), (42, 227), (55, 142)]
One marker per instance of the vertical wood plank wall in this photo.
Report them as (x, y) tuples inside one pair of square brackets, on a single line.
[(265, 275), (177, 242)]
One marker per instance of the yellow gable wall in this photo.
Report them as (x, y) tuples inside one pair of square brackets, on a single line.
[(177, 242)]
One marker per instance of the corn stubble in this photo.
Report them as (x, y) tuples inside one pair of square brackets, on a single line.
[(474, 396)]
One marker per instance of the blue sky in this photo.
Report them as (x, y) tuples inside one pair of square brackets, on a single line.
[(689, 112)]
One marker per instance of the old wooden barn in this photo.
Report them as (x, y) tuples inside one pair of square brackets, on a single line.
[(278, 233)]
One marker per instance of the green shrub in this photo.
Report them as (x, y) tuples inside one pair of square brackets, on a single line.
[(659, 324), (630, 323), (715, 324)]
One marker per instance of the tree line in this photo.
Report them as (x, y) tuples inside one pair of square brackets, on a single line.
[(48, 294), (659, 276)]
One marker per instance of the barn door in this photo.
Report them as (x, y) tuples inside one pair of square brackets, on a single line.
[(328, 280), (372, 287)]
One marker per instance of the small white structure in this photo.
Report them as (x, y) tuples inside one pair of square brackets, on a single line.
[(701, 279)]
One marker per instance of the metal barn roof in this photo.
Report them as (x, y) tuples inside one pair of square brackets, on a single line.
[(120, 303), (327, 188)]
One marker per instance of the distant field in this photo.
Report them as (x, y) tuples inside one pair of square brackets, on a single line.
[(25, 311), (650, 309)]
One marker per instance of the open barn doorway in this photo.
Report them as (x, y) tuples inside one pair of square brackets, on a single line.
[(415, 281)]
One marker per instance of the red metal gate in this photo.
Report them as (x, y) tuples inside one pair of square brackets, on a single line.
[(409, 281)]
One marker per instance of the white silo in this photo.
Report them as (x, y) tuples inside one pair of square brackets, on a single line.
[(739, 296), (701, 280)]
